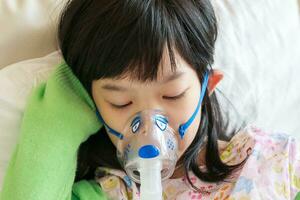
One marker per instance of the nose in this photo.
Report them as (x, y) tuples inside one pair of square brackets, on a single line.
[(148, 151)]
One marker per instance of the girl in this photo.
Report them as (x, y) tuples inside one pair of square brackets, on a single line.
[(122, 57)]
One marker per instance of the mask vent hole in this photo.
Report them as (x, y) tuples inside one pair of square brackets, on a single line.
[(136, 173), (163, 171)]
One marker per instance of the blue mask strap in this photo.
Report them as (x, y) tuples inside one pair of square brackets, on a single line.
[(119, 135), (183, 127)]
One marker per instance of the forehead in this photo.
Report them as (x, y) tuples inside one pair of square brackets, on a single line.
[(165, 71)]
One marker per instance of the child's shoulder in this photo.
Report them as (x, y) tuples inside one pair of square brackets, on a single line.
[(274, 160), (270, 140), (254, 141)]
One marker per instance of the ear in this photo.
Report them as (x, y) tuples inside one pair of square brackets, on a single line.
[(214, 79)]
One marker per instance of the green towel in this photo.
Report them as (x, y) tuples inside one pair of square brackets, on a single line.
[(58, 117)]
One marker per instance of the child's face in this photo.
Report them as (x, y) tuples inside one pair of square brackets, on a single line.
[(139, 96)]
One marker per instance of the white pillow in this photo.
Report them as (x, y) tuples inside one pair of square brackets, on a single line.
[(16, 82), (258, 49), (28, 29)]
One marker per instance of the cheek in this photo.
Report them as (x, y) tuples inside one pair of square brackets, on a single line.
[(182, 115), (189, 136), (113, 139), (112, 119)]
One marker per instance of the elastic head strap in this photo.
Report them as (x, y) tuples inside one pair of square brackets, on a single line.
[(183, 127)]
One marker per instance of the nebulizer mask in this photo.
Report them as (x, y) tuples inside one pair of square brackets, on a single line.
[(147, 147)]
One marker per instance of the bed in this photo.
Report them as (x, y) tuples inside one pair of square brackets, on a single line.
[(258, 49)]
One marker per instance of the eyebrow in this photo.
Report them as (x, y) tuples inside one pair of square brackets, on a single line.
[(113, 87)]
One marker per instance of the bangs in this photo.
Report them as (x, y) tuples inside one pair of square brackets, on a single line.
[(114, 39)]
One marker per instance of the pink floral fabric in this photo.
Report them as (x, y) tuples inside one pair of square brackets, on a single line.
[(271, 172)]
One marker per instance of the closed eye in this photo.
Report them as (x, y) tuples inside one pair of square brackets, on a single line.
[(175, 97), (120, 106), (165, 97), (168, 98)]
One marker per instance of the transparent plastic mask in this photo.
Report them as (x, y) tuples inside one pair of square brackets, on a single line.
[(148, 137)]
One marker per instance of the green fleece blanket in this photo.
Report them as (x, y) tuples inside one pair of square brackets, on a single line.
[(58, 117)]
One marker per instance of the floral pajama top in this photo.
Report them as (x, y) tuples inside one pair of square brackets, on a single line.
[(271, 172)]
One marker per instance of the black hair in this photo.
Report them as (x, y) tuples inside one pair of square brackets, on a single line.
[(113, 38)]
